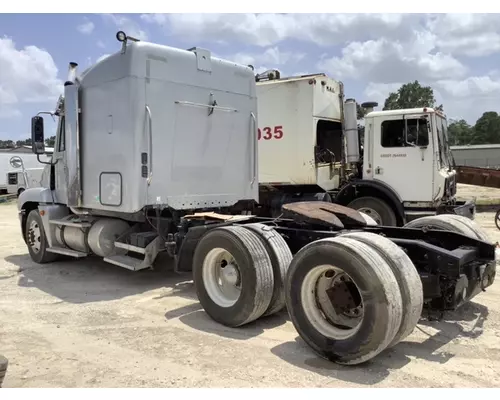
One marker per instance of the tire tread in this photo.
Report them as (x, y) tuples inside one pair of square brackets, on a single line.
[(281, 257)]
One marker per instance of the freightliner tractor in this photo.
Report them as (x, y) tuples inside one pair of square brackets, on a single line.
[(156, 150), (308, 149)]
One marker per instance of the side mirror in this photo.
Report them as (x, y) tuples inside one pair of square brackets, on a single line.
[(37, 135)]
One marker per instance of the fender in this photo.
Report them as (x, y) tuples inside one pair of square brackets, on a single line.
[(34, 195), (29, 200), (369, 187)]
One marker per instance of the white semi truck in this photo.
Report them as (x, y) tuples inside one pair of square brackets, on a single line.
[(308, 148), (156, 149)]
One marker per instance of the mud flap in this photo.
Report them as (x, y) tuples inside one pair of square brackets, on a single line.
[(464, 208)]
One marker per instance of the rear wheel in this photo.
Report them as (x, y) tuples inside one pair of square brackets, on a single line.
[(343, 299), (233, 276), (406, 274), (37, 240), (280, 256), (375, 208)]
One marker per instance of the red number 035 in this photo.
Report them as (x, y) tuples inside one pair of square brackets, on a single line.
[(268, 133)]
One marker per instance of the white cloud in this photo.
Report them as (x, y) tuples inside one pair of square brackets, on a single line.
[(473, 86), (271, 56), (472, 35), (86, 28), (100, 44), (469, 98), (129, 26), (378, 92), (385, 61), (27, 75), (270, 29)]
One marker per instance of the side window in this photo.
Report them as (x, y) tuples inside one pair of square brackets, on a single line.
[(393, 133), (62, 136), (418, 133)]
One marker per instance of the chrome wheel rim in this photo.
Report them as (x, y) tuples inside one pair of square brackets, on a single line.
[(332, 302), (221, 277)]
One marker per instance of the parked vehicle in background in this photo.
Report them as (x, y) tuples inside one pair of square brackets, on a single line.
[(10, 181)]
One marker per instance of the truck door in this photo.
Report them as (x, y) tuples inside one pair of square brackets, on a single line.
[(402, 155)]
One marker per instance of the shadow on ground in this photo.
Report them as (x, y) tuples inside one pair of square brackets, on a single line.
[(465, 323), (93, 280), (449, 329)]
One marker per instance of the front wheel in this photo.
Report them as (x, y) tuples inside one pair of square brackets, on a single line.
[(37, 240), (375, 208)]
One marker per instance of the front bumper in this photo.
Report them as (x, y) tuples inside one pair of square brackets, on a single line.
[(464, 208)]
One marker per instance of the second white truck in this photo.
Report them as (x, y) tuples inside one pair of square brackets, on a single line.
[(310, 148)]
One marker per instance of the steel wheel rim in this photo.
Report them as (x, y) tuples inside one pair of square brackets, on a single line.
[(35, 236), (318, 308), (221, 277), (371, 213)]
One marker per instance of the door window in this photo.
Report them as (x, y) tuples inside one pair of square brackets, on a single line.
[(405, 133)]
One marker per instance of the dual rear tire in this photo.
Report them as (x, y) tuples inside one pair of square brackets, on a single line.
[(374, 291), (349, 297), (239, 273)]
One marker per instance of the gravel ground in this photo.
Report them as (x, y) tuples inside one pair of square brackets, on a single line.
[(484, 195), (91, 324)]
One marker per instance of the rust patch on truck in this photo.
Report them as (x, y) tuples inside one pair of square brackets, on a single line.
[(323, 213)]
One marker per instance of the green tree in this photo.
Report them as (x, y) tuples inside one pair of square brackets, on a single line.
[(460, 133), (25, 142), (411, 95), (50, 142), (6, 144), (487, 129)]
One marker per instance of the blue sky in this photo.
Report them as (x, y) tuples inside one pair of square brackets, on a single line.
[(373, 54)]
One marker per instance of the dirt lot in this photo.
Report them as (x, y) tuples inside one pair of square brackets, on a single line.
[(484, 195), (90, 324)]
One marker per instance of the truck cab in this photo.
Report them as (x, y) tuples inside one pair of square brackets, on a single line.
[(407, 150)]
